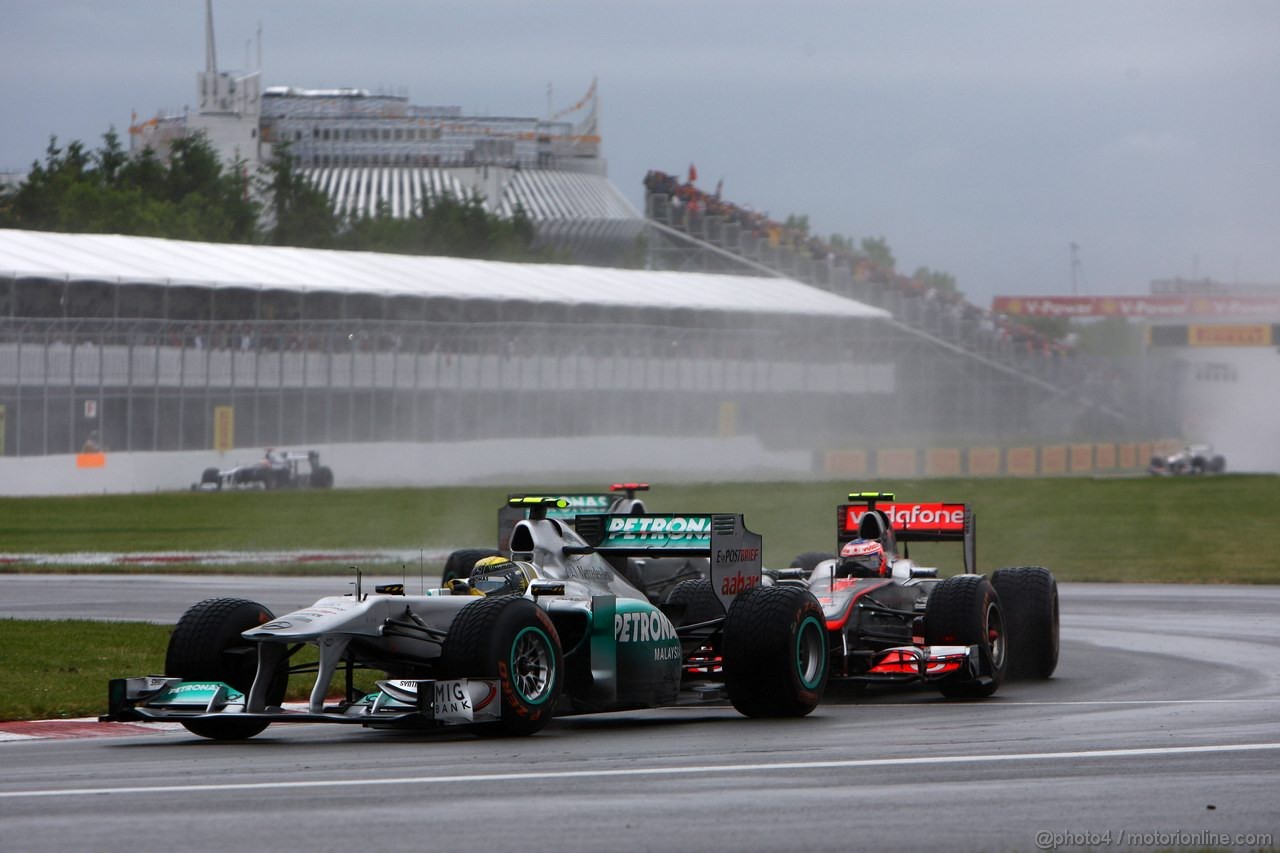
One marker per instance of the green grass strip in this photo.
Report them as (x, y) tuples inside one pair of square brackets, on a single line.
[(1189, 529)]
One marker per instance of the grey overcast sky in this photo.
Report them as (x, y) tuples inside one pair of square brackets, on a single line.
[(980, 138)]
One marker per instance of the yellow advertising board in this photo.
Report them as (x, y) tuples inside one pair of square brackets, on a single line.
[(1129, 456), (728, 419), (1053, 459), (896, 463), (1021, 461), (845, 463), (1104, 457), (942, 462), (1229, 336), (984, 461), (224, 427)]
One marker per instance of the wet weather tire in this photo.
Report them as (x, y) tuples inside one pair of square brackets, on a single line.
[(510, 639), (1030, 598), (206, 646), (775, 652), (460, 563), (809, 560), (965, 610), (692, 601), (322, 478)]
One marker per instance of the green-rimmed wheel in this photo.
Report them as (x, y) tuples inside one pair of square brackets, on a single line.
[(775, 652), (533, 665), (511, 639)]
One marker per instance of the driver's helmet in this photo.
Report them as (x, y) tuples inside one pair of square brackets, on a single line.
[(498, 576), (862, 558)]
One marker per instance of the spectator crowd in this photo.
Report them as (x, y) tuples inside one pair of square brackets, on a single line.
[(915, 300)]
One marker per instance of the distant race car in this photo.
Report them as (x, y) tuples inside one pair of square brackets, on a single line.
[(278, 469), (889, 620), (1191, 459), (656, 576), (553, 630)]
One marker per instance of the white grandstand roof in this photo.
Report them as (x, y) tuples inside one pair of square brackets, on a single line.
[(544, 194), (149, 260)]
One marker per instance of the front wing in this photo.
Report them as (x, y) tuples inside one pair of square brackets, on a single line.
[(421, 703), (906, 664)]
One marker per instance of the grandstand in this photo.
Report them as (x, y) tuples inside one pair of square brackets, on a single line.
[(141, 340)]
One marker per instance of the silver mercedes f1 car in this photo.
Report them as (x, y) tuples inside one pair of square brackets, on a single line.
[(549, 628)]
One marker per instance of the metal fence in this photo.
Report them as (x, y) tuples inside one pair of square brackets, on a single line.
[(138, 385)]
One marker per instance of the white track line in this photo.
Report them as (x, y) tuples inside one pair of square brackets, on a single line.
[(654, 771), (221, 558), (996, 703)]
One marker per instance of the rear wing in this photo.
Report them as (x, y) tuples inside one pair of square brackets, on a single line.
[(735, 554), (909, 522), (575, 504)]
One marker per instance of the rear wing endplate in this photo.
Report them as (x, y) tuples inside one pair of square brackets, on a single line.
[(735, 553)]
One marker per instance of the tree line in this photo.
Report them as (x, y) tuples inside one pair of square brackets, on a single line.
[(193, 196)]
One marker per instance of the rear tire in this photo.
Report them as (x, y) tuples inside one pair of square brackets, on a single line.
[(322, 478), (965, 611), (1030, 598), (775, 652), (461, 562), (510, 639), (206, 646), (692, 601), (1217, 464)]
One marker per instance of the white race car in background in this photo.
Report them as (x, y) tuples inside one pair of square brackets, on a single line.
[(1191, 459)]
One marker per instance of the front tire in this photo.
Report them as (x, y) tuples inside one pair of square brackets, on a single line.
[(775, 652), (206, 646), (510, 639), (965, 610), (1030, 598)]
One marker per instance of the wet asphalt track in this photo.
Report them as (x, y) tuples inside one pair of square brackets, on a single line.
[(1163, 721)]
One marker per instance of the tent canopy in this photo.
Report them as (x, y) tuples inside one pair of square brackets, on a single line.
[(153, 261)]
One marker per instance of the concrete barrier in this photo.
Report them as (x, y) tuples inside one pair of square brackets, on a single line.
[(519, 463)]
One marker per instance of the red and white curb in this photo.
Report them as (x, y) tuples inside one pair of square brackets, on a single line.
[(222, 558), (27, 730), (86, 727)]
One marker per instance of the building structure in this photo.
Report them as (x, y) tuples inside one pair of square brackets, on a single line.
[(372, 152)]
